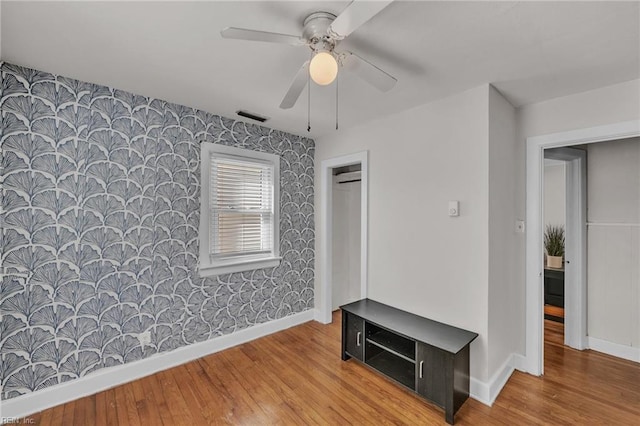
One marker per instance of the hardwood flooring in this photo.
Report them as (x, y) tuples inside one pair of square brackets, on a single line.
[(296, 377), (556, 311)]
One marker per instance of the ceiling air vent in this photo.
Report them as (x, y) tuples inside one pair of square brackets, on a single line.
[(252, 116)]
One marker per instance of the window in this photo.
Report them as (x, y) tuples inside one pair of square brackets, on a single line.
[(239, 210)]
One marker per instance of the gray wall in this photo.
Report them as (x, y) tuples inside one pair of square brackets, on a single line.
[(100, 243), (554, 193), (613, 176), (503, 240)]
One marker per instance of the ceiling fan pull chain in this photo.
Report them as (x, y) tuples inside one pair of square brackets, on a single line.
[(309, 102), (309, 96), (337, 80)]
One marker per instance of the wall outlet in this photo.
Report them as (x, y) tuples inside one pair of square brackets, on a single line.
[(145, 338)]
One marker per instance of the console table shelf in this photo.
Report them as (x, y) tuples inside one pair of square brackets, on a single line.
[(426, 356), (400, 370), (394, 343)]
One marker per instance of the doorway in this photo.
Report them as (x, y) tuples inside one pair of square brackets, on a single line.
[(554, 217), (350, 278), (345, 279), (565, 214), (536, 146)]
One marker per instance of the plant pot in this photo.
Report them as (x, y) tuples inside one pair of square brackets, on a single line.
[(554, 262)]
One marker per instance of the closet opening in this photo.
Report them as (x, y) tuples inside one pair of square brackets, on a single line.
[(343, 237), (346, 211)]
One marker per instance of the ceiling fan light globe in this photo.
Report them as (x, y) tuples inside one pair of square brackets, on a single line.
[(323, 68)]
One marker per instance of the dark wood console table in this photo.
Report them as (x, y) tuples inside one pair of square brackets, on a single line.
[(425, 356), (554, 291)]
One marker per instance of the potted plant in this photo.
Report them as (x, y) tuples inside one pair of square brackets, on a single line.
[(554, 245)]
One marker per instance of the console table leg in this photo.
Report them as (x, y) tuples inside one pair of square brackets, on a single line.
[(449, 406), (344, 355), (448, 415)]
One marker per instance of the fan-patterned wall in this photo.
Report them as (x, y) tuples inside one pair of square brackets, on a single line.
[(100, 198)]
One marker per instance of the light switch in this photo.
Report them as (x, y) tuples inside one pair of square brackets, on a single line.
[(454, 208), (520, 226)]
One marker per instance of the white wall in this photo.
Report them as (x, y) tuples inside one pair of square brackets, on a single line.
[(503, 239), (421, 260), (613, 175), (346, 243), (607, 105), (554, 193)]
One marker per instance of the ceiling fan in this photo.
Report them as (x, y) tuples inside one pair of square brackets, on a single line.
[(322, 32)]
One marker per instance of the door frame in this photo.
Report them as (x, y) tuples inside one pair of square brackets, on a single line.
[(325, 261), (534, 298), (575, 262)]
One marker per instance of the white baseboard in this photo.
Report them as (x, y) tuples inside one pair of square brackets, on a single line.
[(487, 392), (113, 376), (322, 317), (519, 362), (317, 316), (621, 351), (479, 391)]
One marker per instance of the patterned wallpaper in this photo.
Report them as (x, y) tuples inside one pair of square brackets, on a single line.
[(100, 192)]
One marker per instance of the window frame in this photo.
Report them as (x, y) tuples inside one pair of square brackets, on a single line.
[(237, 263)]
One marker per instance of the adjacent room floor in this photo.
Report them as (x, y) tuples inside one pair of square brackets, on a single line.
[(296, 377)]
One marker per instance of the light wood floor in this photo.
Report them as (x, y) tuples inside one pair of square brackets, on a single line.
[(296, 377)]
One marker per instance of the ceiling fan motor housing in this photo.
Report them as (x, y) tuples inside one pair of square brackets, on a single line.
[(315, 30)]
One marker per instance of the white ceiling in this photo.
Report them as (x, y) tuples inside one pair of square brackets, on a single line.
[(530, 51)]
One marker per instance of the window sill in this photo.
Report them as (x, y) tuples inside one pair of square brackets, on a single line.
[(239, 265)]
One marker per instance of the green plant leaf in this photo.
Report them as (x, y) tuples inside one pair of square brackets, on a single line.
[(554, 240)]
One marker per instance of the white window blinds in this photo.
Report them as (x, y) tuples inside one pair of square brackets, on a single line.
[(241, 203)]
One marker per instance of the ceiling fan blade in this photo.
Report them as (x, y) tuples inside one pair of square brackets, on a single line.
[(254, 35), (298, 84), (356, 14), (368, 72)]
